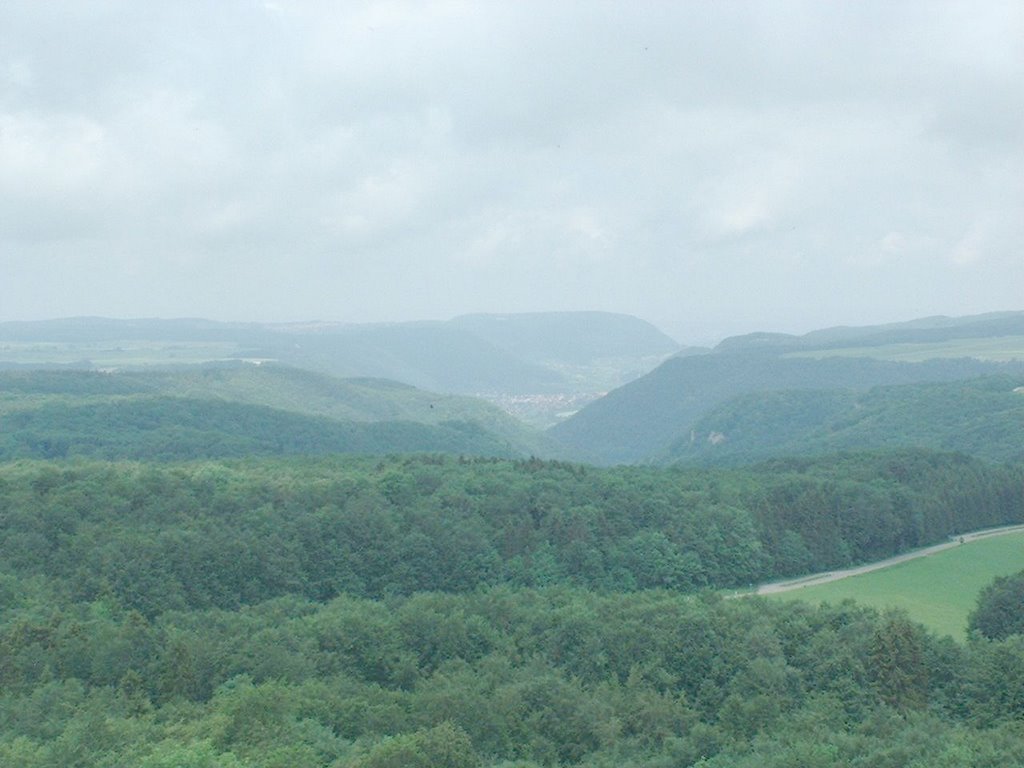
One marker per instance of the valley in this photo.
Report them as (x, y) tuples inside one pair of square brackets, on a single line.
[(216, 550), (448, 384)]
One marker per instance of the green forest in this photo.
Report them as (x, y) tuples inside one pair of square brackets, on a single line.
[(171, 428), (523, 384), (982, 417), (239, 409), (232, 565), (442, 611), (650, 417)]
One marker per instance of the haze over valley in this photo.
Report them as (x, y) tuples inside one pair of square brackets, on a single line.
[(588, 386), (445, 384)]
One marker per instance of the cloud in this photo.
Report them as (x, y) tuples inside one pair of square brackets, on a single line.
[(702, 165)]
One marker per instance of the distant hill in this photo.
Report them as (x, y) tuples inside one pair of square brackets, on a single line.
[(643, 419), (282, 388), (145, 428), (433, 356), (569, 337), (353, 399), (80, 330), (982, 417), (928, 330), (550, 354)]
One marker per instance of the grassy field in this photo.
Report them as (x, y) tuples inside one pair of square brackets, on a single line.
[(939, 590), (117, 354), (996, 348)]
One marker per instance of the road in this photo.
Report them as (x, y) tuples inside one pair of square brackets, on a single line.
[(823, 578)]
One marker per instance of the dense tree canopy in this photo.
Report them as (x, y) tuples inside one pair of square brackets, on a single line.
[(549, 677), (1000, 609), (229, 534), (981, 417), (438, 611)]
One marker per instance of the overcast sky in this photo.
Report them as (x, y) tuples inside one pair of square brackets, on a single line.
[(713, 167)]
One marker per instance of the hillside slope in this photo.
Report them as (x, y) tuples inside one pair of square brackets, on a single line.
[(283, 389), (643, 419), (143, 428), (355, 399), (982, 417)]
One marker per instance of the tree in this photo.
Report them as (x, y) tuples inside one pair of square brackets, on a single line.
[(1000, 608), (443, 746), (897, 665)]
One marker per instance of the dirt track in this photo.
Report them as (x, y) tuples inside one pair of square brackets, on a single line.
[(823, 578)]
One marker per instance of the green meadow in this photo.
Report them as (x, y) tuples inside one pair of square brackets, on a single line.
[(939, 590), (118, 354), (995, 348)]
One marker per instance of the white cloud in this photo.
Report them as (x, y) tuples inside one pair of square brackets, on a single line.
[(387, 159), (43, 158), (17, 75)]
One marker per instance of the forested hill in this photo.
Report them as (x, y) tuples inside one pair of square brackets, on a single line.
[(223, 535), (207, 599), (643, 419), (276, 386), (173, 428), (981, 417), (235, 409)]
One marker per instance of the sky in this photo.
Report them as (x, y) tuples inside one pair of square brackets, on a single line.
[(712, 167)]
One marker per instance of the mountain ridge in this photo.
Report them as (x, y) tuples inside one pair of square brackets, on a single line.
[(641, 420)]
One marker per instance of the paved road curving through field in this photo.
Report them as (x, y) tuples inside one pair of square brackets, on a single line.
[(823, 578)]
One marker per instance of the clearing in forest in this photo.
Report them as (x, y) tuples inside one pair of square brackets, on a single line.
[(938, 590)]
